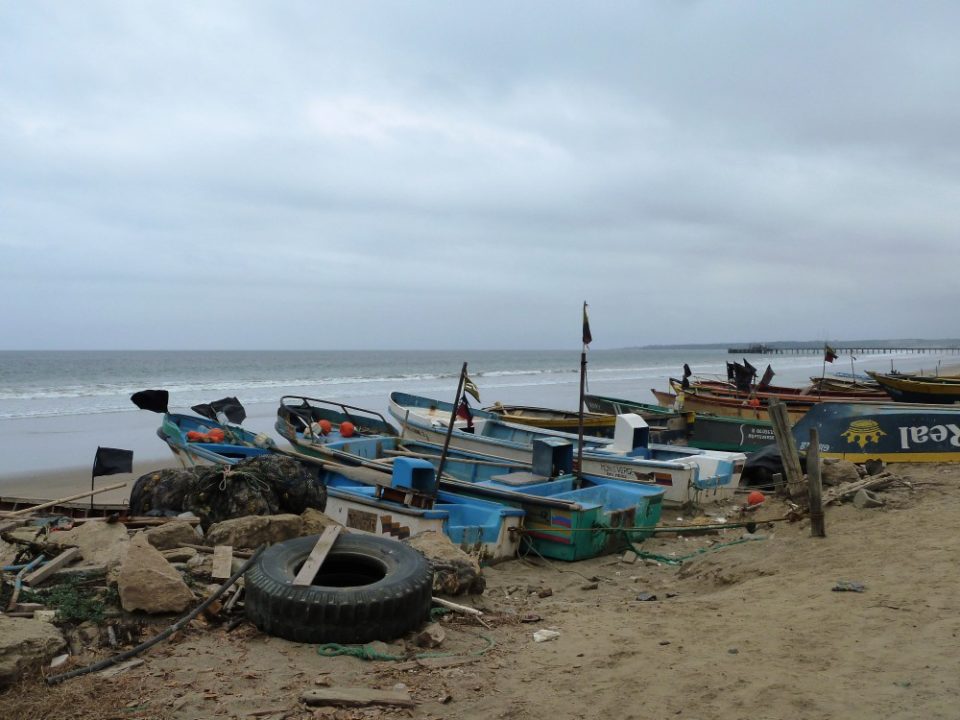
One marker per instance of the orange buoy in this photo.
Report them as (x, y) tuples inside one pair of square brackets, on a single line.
[(755, 498), (347, 429), (325, 427)]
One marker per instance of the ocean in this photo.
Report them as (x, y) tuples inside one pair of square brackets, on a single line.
[(57, 407)]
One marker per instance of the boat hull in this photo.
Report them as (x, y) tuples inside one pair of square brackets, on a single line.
[(920, 390), (892, 432)]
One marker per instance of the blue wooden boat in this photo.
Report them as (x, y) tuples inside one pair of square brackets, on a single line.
[(687, 475), (892, 432), (566, 517), (397, 501)]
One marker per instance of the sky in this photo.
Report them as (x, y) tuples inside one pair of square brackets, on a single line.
[(360, 175)]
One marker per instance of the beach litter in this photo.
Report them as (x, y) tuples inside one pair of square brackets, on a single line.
[(849, 586)]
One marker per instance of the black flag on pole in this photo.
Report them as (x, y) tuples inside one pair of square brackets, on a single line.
[(110, 461), (230, 407), (767, 377), (587, 337), (155, 400)]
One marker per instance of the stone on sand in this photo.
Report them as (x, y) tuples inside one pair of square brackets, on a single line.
[(169, 535), (99, 542), (24, 644), (839, 472), (148, 582), (455, 572)]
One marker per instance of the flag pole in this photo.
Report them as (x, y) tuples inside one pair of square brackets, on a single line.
[(583, 377), (453, 418), (587, 339), (823, 374)]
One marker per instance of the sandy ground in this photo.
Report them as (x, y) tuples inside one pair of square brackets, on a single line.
[(752, 630)]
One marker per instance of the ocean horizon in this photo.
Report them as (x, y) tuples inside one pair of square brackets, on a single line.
[(57, 406)]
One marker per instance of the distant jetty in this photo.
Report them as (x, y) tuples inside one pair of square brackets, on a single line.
[(761, 349)]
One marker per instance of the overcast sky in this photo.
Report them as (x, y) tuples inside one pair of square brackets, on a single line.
[(464, 175)]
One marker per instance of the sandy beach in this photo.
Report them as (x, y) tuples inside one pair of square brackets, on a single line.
[(750, 630)]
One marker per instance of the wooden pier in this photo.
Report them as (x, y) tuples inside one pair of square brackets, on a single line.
[(840, 350)]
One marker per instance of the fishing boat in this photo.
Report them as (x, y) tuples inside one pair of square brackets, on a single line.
[(703, 430), (747, 409), (566, 517), (688, 475), (398, 500), (892, 431), (598, 424), (918, 388), (776, 392)]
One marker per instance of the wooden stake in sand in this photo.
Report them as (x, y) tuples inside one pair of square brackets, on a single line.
[(818, 526), (788, 448)]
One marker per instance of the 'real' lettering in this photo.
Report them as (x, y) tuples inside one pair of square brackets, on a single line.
[(954, 435), (917, 435)]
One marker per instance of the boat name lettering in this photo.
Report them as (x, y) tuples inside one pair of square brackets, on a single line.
[(920, 434)]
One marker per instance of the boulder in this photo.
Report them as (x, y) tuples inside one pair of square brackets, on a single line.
[(254, 530), (169, 535), (839, 472), (148, 582), (315, 521), (25, 644), (100, 543), (455, 572), (431, 636)]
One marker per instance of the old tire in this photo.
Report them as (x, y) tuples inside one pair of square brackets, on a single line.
[(369, 588)]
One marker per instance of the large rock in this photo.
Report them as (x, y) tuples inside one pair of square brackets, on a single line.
[(169, 535), (454, 572), (100, 543), (25, 644), (148, 582), (314, 522), (254, 530), (839, 472)]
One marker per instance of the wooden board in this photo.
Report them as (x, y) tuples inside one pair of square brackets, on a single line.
[(319, 553), (222, 562), (357, 697), (61, 560)]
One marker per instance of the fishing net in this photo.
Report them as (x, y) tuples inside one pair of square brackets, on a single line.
[(264, 485)]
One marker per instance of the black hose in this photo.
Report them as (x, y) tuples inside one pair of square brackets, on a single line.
[(132, 652)]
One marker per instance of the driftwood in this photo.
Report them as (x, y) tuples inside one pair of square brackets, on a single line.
[(357, 697), (876, 482)]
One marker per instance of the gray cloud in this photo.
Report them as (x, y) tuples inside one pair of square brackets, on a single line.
[(364, 175)]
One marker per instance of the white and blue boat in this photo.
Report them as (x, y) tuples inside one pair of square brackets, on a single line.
[(687, 475), (566, 517)]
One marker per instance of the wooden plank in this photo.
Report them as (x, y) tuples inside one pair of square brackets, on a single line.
[(817, 523), (319, 553), (222, 562), (61, 560), (357, 697)]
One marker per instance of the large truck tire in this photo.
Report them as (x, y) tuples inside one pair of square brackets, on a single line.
[(369, 588)]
